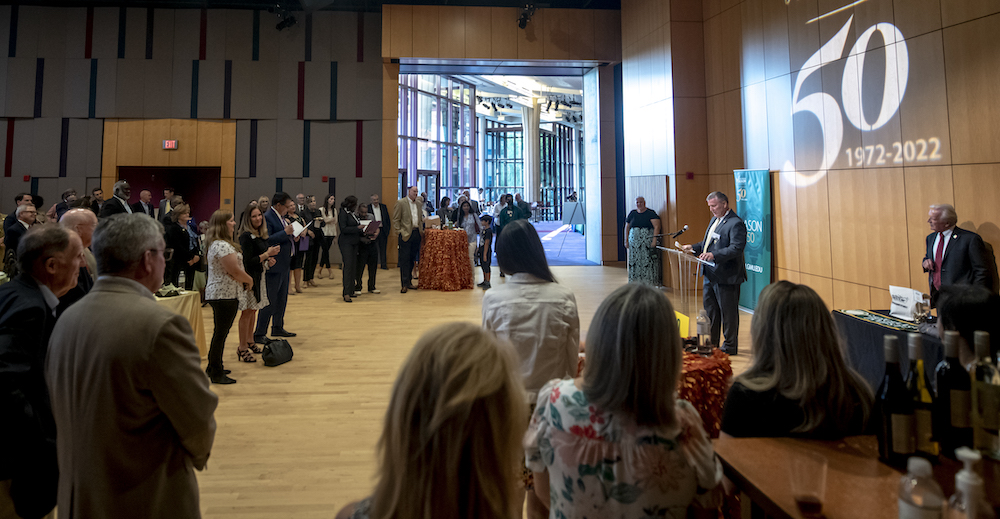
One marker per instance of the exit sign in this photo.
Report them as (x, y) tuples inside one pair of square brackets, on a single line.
[(170, 145)]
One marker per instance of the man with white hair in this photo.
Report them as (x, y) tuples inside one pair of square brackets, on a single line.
[(49, 257), (24, 219), (132, 407), (954, 256)]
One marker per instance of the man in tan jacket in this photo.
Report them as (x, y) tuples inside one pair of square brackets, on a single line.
[(133, 411), (408, 222)]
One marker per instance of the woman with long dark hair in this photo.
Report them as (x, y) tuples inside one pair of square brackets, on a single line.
[(257, 257), (469, 221), (350, 238), (330, 231), (536, 314)]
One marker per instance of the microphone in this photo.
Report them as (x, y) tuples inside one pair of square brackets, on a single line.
[(680, 232), (673, 234)]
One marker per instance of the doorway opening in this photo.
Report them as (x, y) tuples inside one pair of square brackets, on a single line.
[(199, 187)]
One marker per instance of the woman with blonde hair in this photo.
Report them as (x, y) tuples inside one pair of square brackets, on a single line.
[(226, 279), (450, 446), (651, 454), (799, 383), (257, 257)]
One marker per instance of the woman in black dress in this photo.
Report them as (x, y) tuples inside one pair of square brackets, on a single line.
[(257, 257), (177, 238), (641, 225), (350, 238)]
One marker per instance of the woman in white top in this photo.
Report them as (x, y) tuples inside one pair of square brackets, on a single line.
[(226, 280), (536, 314), (330, 232)]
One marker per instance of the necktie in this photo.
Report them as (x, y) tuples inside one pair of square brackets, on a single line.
[(711, 231), (168, 206), (938, 256)]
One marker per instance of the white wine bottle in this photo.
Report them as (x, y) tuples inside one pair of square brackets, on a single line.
[(985, 399)]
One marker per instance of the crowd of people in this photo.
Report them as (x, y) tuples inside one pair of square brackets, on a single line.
[(499, 407)]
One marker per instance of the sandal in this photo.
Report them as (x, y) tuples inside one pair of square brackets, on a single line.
[(245, 355), (252, 346)]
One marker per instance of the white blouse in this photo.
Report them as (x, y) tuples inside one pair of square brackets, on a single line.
[(220, 284), (541, 321)]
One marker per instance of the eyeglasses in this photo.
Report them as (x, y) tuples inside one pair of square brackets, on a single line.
[(167, 253)]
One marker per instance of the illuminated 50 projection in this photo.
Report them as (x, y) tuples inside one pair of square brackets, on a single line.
[(880, 148)]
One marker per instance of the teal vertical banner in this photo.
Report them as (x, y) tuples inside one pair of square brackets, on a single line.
[(753, 205)]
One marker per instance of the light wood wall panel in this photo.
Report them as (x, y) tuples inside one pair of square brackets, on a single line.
[(822, 285), (977, 197), (972, 59), (137, 142), (813, 214), (426, 20), (478, 32), (452, 27), (850, 295)]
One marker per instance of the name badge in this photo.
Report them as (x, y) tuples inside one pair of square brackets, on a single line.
[(715, 236)]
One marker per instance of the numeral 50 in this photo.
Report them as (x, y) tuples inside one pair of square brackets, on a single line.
[(822, 104)]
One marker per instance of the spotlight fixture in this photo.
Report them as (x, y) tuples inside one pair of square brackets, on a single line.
[(286, 23), (549, 107), (479, 99), (526, 13), (285, 18), (493, 105)]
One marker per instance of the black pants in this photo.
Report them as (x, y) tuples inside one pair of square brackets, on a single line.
[(383, 244), (224, 311), (324, 261), (722, 306), (367, 257), (408, 253), (312, 258), (349, 252)]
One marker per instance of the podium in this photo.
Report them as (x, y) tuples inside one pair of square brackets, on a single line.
[(685, 285)]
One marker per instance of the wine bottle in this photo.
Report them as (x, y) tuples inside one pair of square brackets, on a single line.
[(918, 387), (953, 405), (985, 399), (894, 410)]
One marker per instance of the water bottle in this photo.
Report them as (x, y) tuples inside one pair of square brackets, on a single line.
[(920, 497), (704, 327), (180, 280)]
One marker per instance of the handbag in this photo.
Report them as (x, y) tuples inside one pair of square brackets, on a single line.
[(277, 353)]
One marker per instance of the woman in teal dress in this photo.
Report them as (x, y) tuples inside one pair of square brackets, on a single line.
[(641, 227)]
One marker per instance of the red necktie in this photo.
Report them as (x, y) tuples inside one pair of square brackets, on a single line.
[(937, 260)]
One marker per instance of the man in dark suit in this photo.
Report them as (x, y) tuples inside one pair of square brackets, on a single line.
[(380, 213), (525, 207), (25, 218), (954, 256), (50, 259), (68, 197), (473, 203), (723, 244), (168, 198), (82, 222), (276, 278), (119, 202), (98, 195), (20, 199), (145, 204)]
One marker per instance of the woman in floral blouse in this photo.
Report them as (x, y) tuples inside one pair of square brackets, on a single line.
[(617, 442)]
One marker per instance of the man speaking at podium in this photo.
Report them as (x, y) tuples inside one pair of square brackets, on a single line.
[(723, 245), (954, 256)]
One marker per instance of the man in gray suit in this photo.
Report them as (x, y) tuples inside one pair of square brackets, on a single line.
[(723, 244), (132, 407)]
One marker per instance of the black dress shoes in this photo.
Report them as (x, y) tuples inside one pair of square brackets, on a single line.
[(403, 290), (730, 351), (282, 333)]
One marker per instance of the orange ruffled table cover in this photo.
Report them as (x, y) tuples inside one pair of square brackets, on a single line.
[(444, 261), (704, 382)]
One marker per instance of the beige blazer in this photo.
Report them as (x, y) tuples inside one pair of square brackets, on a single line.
[(402, 217), (133, 410)]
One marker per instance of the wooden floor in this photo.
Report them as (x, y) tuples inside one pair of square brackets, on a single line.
[(299, 440)]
